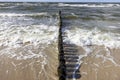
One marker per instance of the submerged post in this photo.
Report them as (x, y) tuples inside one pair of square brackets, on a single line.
[(62, 67)]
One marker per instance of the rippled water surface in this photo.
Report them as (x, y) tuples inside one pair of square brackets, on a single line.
[(29, 40)]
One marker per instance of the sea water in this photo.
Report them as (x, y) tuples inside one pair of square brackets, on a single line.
[(29, 39)]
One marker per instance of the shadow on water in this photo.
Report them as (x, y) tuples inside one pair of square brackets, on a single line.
[(68, 58)]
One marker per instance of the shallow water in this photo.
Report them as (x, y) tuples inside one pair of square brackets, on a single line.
[(28, 46), (29, 40)]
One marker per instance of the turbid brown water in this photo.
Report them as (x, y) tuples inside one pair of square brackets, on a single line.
[(101, 64), (28, 63)]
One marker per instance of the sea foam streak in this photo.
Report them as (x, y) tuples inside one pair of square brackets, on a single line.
[(90, 5), (20, 14)]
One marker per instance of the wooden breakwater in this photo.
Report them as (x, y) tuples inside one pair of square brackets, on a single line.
[(62, 67), (68, 57)]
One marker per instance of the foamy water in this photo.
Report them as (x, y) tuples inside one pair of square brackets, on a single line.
[(83, 37), (28, 45), (35, 34), (29, 36), (14, 14), (89, 5), (89, 40)]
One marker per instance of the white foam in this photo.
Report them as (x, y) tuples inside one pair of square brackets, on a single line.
[(89, 5), (83, 37), (20, 14), (114, 27), (35, 34)]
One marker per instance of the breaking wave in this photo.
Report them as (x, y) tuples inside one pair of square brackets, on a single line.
[(93, 37), (89, 5)]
